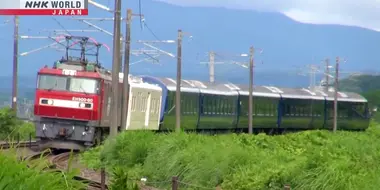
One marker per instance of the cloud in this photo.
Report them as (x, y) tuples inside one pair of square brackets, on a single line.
[(360, 13)]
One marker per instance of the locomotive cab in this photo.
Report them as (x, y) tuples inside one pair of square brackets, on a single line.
[(67, 105)]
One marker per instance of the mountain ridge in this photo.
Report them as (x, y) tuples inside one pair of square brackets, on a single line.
[(287, 44)]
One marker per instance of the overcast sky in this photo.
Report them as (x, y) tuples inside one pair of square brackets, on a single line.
[(362, 13)]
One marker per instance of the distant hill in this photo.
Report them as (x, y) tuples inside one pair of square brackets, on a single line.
[(360, 83), (366, 85), (286, 43)]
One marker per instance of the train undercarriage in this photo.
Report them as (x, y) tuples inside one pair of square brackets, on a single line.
[(77, 135), (68, 134)]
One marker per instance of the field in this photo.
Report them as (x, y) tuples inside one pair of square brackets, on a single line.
[(305, 160)]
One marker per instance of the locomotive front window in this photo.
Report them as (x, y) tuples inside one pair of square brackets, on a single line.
[(51, 82), (63, 83), (84, 85)]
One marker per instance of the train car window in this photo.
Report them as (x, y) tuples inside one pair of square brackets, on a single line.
[(211, 104), (222, 102), (153, 105), (133, 103), (269, 108), (221, 106), (156, 105), (226, 110), (214, 104), (192, 103), (142, 108), (145, 104), (218, 100), (205, 105), (293, 110), (51, 82), (183, 104), (138, 101), (359, 110), (272, 110), (233, 103), (343, 109), (285, 109), (142, 104), (227, 106), (300, 110), (187, 105), (218, 106), (256, 108)]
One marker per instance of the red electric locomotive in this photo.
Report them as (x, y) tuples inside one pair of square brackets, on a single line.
[(72, 100)]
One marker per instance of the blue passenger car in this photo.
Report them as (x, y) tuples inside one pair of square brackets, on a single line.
[(219, 106)]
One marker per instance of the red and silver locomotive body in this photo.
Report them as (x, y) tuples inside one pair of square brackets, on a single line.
[(70, 102), (73, 102), (68, 105)]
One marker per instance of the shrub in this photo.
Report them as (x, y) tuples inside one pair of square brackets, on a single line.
[(315, 159), (12, 128)]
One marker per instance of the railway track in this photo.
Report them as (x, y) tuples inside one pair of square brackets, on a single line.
[(21, 144), (91, 177)]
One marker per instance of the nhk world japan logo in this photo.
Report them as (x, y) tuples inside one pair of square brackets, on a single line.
[(44, 7)]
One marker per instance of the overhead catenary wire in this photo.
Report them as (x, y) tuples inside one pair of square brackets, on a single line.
[(59, 23)]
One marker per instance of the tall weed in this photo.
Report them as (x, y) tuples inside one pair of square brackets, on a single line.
[(306, 160)]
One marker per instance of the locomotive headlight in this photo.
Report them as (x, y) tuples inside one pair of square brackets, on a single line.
[(82, 105), (50, 102)]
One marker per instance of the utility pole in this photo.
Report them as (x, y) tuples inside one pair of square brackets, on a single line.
[(336, 95), (327, 74), (15, 64), (115, 70), (313, 70), (125, 93), (250, 98), (121, 49), (178, 89), (212, 66)]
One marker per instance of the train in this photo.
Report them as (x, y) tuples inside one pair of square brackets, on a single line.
[(73, 102)]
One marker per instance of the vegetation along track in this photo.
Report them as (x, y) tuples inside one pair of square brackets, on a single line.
[(61, 162)]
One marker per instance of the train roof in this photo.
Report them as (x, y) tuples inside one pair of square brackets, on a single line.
[(63, 72), (138, 82), (264, 91)]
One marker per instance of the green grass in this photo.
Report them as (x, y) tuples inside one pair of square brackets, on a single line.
[(305, 160), (32, 175)]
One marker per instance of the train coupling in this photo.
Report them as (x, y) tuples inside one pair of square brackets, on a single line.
[(62, 132)]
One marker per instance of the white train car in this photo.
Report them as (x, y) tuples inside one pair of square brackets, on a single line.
[(144, 105)]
